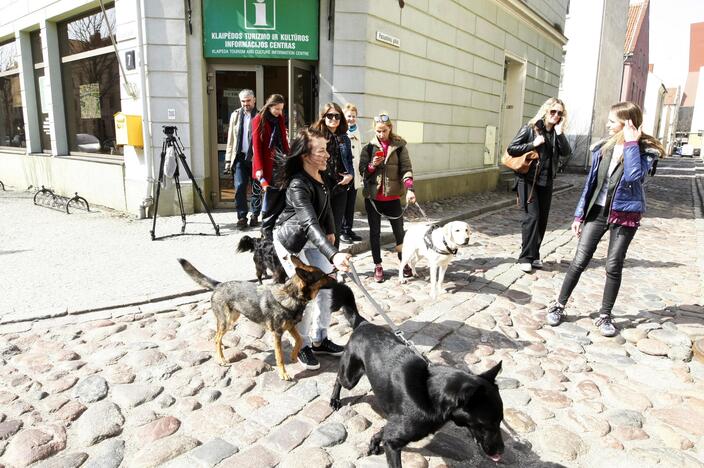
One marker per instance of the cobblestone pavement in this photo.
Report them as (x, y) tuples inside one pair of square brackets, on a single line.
[(138, 386)]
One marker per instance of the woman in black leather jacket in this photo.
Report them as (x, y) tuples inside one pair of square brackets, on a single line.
[(306, 228), (544, 134)]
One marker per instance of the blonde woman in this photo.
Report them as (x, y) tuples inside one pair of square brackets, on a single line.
[(613, 201), (386, 168), (348, 235), (544, 133)]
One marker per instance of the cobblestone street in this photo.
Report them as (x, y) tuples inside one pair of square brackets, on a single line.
[(138, 386)]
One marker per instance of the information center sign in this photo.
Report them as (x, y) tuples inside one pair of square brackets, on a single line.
[(285, 29)]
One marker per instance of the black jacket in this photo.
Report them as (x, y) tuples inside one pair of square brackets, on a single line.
[(307, 216), (523, 142)]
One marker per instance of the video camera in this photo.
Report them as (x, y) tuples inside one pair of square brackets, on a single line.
[(168, 129)]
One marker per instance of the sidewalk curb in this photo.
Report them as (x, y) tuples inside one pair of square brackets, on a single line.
[(150, 304)]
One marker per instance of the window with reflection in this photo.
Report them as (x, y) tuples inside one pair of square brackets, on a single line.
[(91, 81), (12, 132), (41, 86)]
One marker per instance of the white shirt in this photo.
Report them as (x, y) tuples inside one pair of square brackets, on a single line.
[(245, 134), (615, 157)]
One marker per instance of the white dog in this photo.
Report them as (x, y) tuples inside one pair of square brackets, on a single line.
[(438, 245)]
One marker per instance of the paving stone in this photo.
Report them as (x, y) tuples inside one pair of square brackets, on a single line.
[(157, 429), (72, 460), (665, 457), (671, 337), (274, 413), (289, 435), (165, 400), (9, 428), (626, 398), (256, 456), (627, 433), (588, 389), (561, 442), (91, 389), (101, 420), (318, 411), (628, 418), (671, 438), (60, 385), (307, 457), (212, 422), (633, 335), (680, 353), (131, 395), (327, 435), (653, 347), (681, 417), (518, 420), (143, 358), (213, 452), (163, 450), (552, 398), (70, 411), (190, 358), (35, 444), (358, 424), (505, 383), (107, 454), (141, 416), (209, 395)]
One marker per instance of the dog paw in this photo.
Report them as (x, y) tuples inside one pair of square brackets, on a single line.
[(375, 448), (284, 376), (335, 403)]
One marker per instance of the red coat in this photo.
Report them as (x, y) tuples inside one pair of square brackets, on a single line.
[(263, 158)]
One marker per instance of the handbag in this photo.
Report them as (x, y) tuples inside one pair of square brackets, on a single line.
[(519, 164)]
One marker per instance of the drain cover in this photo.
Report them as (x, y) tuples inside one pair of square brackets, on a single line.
[(698, 350)]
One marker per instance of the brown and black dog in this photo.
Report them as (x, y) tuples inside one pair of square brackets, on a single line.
[(278, 307)]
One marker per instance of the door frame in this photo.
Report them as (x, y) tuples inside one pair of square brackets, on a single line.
[(511, 121), (215, 148)]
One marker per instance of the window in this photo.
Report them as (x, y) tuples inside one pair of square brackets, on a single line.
[(91, 81), (41, 85), (11, 115)]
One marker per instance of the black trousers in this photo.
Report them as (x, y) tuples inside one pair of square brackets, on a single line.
[(535, 218), (348, 219), (338, 202), (273, 204), (620, 237), (392, 209)]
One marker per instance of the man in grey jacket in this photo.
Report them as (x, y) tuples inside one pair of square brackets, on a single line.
[(238, 159)]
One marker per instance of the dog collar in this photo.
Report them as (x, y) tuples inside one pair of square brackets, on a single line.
[(431, 246)]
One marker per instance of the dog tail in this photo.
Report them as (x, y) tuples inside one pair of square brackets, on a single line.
[(247, 244), (196, 275), (343, 299)]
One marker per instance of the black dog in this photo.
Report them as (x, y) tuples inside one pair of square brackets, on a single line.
[(417, 398), (264, 258)]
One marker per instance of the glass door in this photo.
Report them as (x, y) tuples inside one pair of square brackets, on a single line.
[(224, 88), (301, 96)]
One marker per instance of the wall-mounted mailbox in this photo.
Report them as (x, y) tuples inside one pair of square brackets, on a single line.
[(128, 130)]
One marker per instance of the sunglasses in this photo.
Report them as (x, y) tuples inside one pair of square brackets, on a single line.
[(553, 112), (381, 118), (332, 116)]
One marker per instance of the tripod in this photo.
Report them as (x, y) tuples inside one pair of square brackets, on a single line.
[(173, 142)]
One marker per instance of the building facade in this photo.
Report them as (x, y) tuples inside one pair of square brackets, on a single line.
[(636, 51), (653, 104), (690, 126), (459, 78), (592, 72)]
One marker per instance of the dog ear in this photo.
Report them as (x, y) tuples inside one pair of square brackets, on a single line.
[(491, 374), (307, 276), (296, 261)]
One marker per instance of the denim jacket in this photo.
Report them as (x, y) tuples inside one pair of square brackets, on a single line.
[(628, 201)]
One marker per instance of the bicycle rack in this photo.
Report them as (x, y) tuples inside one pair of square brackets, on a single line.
[(46, 197)]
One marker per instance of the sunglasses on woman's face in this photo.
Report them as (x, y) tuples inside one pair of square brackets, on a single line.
[(381, 118), (332, 116), (553, 112)]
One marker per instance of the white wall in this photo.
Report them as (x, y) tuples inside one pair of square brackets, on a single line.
[(652, 104)]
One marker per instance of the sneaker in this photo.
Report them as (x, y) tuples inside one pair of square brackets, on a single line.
[(354, 236), (605, 326), (328, 347), (555, 315), (346, 238), (407, 272), (242, 223), (254, 221), (308, 359), (537, 264), (378, 273), (526, 267)]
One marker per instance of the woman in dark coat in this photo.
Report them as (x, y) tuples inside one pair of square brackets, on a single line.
[(544, 134)]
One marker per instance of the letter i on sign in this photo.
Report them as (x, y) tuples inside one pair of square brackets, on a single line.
[(260, 13)]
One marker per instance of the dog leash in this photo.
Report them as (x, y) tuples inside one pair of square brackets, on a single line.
[(403, 210), (354, 276)]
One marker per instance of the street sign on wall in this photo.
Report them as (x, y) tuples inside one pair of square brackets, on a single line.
[(285, 29)]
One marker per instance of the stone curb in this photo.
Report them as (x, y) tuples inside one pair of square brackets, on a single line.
[(151, 304)]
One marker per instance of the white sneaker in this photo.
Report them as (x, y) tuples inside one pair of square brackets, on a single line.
[(537, 264), (526, 267)]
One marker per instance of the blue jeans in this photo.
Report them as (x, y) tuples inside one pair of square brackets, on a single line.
[(243, 177)]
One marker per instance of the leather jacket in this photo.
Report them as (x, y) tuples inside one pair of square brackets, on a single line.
[(307, 216), (523, 142)]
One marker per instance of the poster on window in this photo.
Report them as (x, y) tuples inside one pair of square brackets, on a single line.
[(90, 100)]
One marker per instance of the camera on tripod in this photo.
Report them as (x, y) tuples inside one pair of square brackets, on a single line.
[(168, 130)]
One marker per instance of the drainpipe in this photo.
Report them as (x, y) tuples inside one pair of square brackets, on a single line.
[(146, 117)]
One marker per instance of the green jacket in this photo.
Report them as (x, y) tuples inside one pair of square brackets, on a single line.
[(395, 170)]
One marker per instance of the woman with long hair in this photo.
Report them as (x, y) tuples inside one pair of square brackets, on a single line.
[(346, 233), (387, 171), (613, 201), (269, 137), (544, 133), (306, 229), (339, 171)]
